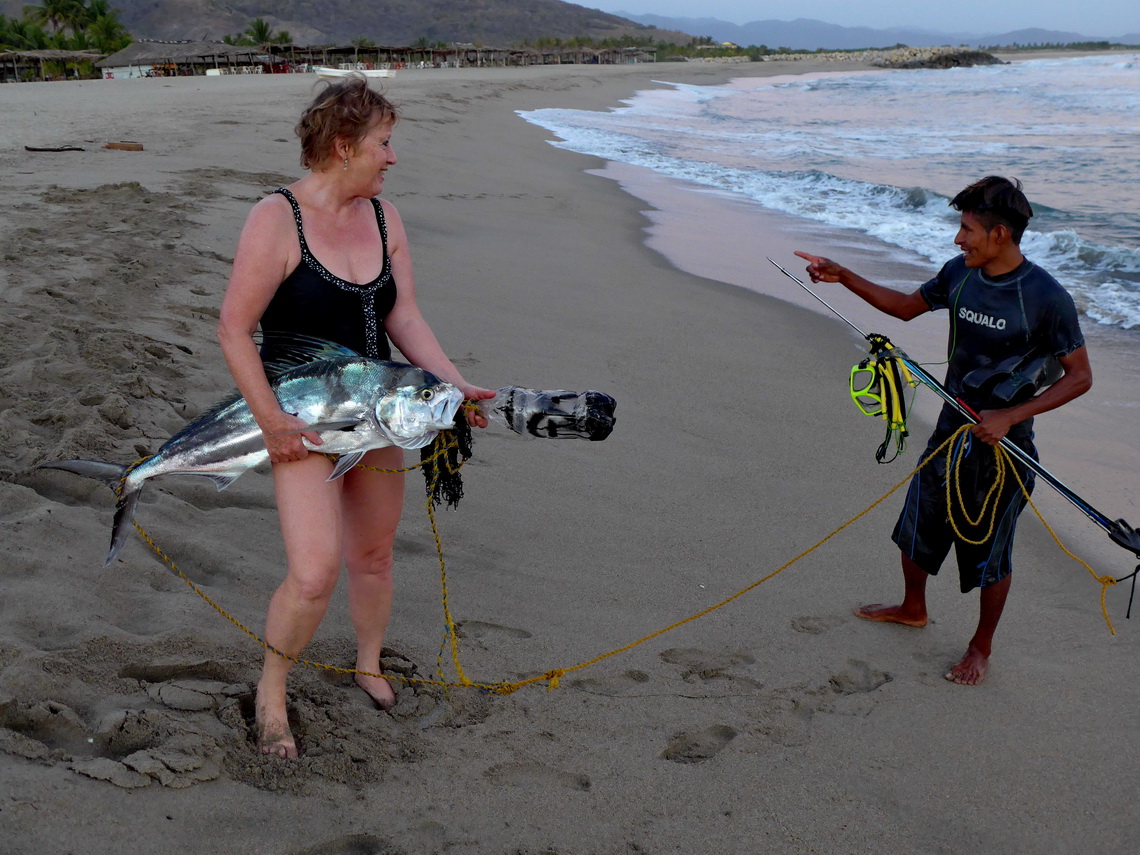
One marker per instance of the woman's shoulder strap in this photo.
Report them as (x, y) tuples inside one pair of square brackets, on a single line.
[(284, 191), (380, 222)]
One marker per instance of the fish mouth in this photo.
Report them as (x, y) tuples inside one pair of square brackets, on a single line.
[(448, 405), (412, 418)]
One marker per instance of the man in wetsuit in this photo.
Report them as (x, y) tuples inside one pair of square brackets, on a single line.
[(1004, 310)]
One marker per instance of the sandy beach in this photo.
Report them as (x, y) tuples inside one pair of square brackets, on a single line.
[(779, 723)]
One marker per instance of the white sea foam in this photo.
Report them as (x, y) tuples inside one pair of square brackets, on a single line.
[(847, 151)]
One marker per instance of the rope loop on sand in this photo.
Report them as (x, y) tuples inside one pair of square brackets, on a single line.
[(554, 676)]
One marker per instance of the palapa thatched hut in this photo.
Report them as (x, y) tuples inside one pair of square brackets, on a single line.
[(149, 58), (152, 58), (33, 64)]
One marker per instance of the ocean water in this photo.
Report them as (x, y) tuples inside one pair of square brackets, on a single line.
[(881, 152)]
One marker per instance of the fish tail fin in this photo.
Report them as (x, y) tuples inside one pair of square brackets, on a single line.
[(110, 474), (124, 514), (114, 476)]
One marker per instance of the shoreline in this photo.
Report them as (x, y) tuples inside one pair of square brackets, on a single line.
[(714, 234), (779, 723)]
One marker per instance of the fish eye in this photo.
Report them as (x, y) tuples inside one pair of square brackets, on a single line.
[(426, 394)]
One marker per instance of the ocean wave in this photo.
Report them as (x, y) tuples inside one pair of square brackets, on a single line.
[(798, 158)]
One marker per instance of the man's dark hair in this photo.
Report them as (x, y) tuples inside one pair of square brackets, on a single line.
[(996, 201)]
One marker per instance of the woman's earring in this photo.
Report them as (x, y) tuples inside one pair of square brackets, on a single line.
[(346, 163)]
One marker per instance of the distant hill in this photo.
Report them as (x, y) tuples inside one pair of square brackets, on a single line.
[(499, 23), (808, 34), (1037, 36)]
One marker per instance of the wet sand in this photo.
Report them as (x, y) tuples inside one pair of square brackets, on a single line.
[(779, 723)]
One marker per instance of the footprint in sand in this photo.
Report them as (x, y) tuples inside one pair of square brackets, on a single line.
[(858, 677), (709, 664), (161, 672), (631, 681), (816, 625), (698, 746), (480, 631), (352, 844), (54, 725), (535, 775)]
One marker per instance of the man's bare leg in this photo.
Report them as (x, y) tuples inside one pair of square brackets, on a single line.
[(973, 667), (912, 610)]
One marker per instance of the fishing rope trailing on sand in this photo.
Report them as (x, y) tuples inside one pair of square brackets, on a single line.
[(445, 449)]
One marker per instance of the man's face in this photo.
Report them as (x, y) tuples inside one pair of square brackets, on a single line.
[(978, 244)]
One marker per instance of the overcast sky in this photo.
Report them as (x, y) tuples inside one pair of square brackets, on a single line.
[(1090, 18)]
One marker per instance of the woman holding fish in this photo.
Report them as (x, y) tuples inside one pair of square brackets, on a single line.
[(332, 214)]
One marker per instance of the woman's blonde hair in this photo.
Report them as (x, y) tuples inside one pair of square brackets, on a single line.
[(346, 110)]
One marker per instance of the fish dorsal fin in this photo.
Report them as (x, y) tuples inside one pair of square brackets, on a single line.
[(288, 350)]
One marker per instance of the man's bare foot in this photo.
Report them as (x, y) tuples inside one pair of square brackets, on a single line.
[(273, 735), (379, 689), (971, 670), (890, 614)]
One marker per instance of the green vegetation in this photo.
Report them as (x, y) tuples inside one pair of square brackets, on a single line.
[(258, 33), (1084, 46), (65, 25)]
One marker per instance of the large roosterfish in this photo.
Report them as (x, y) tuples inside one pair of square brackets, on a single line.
[(354, 403)]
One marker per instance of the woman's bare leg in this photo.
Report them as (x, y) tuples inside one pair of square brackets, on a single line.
[(372, 504), (309, 512)]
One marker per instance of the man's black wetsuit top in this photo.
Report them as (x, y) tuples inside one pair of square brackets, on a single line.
[(1023, 313), (992, 320)]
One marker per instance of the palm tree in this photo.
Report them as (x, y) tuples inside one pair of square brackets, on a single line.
[(22, 34), (57, 14), (258, 32), (107, 33), (97, 9)]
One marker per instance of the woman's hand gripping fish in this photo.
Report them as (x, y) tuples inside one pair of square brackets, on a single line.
[(354, 403)]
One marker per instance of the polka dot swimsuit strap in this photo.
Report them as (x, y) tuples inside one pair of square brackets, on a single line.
[(367, 291)]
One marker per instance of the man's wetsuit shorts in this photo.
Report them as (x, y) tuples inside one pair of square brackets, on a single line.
[(923, 531)]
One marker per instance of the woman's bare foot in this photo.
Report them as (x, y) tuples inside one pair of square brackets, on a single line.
[(971, 670), (379, 689), (891, 614), (273, 734)]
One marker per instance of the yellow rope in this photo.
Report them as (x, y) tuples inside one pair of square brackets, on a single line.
[(1005, 463), (954, 487), (553, 677), (1105, 581)]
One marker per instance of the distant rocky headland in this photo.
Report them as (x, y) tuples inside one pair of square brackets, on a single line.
[(935, 57), (902, 57)]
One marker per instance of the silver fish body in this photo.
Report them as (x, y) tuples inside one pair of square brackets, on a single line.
[(354, 403)]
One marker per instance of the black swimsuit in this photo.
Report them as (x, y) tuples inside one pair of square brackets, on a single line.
[(313, 302)]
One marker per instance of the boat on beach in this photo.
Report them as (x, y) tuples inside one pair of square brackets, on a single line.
[(326, 73)]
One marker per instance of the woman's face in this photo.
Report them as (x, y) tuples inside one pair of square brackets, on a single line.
[(371, 157)]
